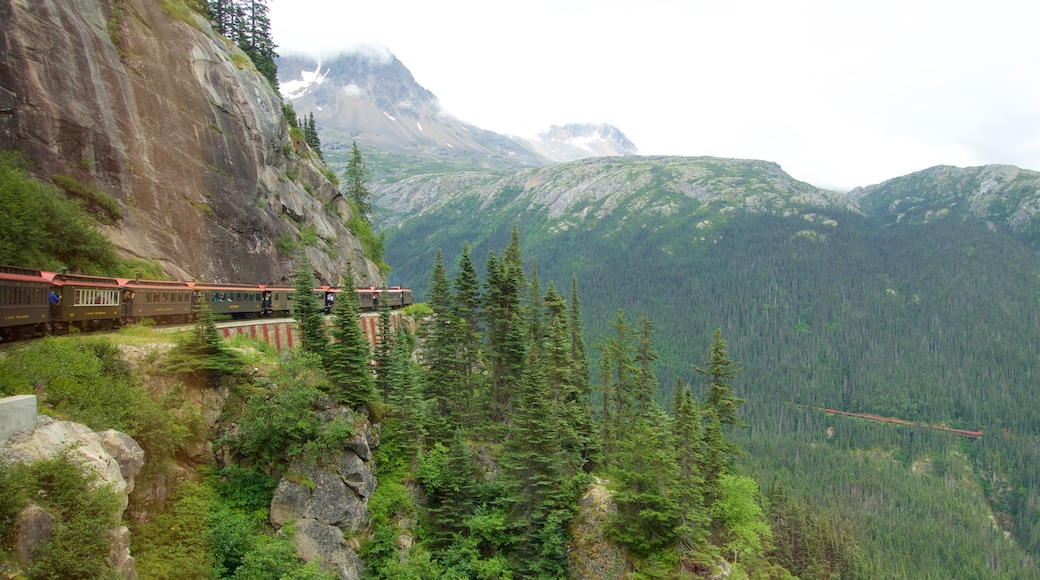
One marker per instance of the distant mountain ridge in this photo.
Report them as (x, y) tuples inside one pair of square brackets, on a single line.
[(370, 96), (999, 194), (579, 140)]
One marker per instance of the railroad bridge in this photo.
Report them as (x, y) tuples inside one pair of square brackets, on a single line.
[(283, 333)]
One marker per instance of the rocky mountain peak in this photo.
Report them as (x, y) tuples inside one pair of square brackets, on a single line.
[(371, 97), (578, 140)]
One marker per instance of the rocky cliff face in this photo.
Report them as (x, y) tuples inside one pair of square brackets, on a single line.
[(154, 108)]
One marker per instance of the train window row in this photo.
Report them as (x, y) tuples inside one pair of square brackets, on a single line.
[(14, 296), (85, 297), (231, 296), (166, 297)]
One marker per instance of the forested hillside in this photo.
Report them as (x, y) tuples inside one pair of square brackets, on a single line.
[(931, 320)]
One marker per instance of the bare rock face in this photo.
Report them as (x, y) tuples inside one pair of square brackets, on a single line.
[(592, 555), (33, 526), (326, 499), (127, 453), (174, 122)]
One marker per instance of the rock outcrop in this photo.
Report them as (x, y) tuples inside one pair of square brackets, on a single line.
[(114, 456), (169, 118), (592, 555), (326, 501)]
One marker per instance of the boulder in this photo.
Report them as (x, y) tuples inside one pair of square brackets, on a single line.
[(318, 493), (33, 526), (326, 543), (127, 453), (51, 438)]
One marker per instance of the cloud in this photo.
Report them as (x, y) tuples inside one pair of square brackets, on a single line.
[(353, 90)]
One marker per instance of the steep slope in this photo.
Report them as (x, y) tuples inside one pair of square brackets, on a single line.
[(144, 101)]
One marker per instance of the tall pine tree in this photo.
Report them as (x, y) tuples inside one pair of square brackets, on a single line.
[(307, 309), (347, 358)]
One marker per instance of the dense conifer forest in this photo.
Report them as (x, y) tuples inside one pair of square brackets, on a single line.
[(929, 322)]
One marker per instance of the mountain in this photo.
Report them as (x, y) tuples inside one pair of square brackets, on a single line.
[(145, 103), (575, 141), (826, 300), (371, 97), (1001, 195)]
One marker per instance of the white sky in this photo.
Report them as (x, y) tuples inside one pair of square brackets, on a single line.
[(839, 93)]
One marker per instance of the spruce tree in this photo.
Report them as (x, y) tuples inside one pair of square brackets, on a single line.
[(585, 426), (357, 189), (307, 309), (441, 354), (347, 358), (693, 529), (467, 305), (532, 461), (310, 133), (507, 334), (719, 400)]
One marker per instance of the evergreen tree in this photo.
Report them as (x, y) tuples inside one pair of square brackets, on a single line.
[(310, 133), (442, 362), (585, 426), (532, 461), (689, 493), (405, 391), (347, 358), (618, 377), (453, 498), (719, 400), (643, 475), (467, 315), (567, 401), (535, 310), (507, 333), (204, 351), (357, 188), (307, 309), (719, 410), (646, 387)]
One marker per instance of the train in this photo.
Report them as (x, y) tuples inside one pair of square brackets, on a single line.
[(36, 302)]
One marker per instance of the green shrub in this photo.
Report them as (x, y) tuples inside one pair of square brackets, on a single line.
[(40, 228), (98, 201), (309, 235), (87, 381), (286, 244), (78, 546), (204, 208), (178, 543)]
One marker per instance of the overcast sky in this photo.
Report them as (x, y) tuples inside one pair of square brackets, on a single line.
[(839, 93)]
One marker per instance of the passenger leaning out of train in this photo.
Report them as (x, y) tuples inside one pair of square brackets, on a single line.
[(128, 301)]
